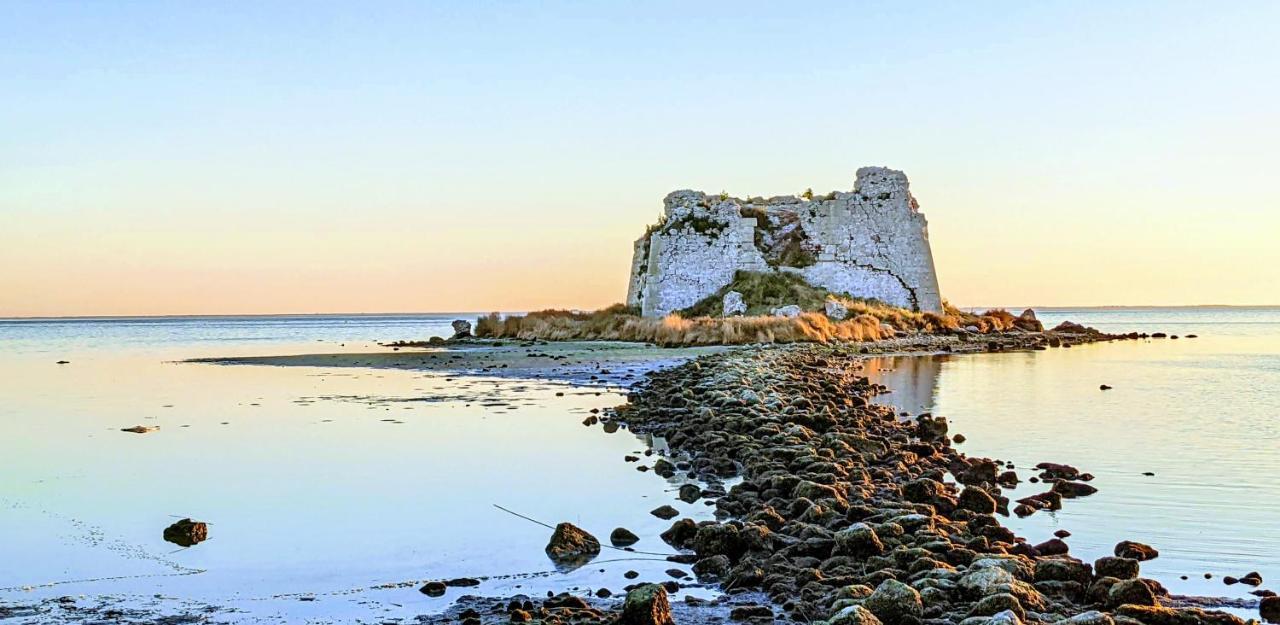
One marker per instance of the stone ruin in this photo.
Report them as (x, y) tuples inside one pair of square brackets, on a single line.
[(872, 243)]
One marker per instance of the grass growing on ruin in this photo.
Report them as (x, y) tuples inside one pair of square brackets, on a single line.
[(702, 324), (762, 292)]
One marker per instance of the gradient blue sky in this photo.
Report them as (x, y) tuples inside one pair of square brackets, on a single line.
[(235, 157)]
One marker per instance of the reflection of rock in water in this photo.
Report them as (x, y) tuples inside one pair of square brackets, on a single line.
[(913, 380), (571, 547), (186, 532)]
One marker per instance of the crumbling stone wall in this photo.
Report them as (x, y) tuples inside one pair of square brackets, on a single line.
[(872, 242)]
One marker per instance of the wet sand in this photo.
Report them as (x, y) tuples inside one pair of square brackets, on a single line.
[(605, 363)]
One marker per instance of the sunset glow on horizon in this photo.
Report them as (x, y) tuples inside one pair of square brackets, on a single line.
[(234, 159)]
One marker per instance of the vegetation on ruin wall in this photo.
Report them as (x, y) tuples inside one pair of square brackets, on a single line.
[(762, 292), (790, 250)]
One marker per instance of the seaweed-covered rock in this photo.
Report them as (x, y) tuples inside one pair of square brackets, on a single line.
[(999, 602), (977, 500), (646, 604), (985, 581), (895, 602), (1092, 617), (718, 539), (1119, 568), (858, 540), (1155, 615), (1131, 591), (713, 567), (1063, 570), (854, 615)]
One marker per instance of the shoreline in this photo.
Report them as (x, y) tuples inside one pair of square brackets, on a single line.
[(624, 363)]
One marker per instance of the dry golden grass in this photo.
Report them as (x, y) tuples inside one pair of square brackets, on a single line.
[(674, 330), (619, 323)]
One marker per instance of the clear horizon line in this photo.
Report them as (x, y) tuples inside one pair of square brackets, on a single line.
[(465, 313)]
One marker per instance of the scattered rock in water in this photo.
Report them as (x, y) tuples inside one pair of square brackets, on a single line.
[(623, 537), (461, 329), (646, 604), (1250, 579), (690, 493), (433, 589), (1135, 550), (1052, 547), (571, 547), (141, 429), (462, 582), (666, 513), (187, 533)]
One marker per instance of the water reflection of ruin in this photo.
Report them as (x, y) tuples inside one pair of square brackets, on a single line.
[(913, 380)]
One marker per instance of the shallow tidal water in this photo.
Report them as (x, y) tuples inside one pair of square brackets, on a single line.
[(1202, 414), (329, 493), (333, 493)]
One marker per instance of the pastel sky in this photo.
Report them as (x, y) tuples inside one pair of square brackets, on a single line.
[(270, 157)]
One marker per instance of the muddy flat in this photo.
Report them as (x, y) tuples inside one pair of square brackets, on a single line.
[(600, 362)]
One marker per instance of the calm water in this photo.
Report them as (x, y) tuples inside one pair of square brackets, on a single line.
[(318, 485), (1202, 414)]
